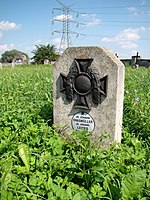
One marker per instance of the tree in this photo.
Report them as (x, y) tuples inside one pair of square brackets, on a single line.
[(43, 52), (13, 55)]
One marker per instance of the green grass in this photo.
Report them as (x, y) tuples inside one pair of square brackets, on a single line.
[(137, 102), (26, 95), (37, 163)]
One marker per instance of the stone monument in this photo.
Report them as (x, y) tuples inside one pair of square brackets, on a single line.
[(135, 60), (13, 64), (88, 89), (46, 62), (1, 65)]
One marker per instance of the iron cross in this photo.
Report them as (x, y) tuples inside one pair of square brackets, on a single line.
[(82, 81)]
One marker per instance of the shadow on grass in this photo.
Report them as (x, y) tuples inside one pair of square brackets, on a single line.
[(46, 113)]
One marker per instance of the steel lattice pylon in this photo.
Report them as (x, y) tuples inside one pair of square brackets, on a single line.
[(65, 40)]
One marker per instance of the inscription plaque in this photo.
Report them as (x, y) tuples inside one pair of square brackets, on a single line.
[(83, 120)]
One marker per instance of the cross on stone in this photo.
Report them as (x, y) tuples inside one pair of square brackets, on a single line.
[(136, 58), (137, 55), (82, 81)]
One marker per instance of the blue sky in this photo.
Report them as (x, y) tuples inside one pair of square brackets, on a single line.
[(120, 25)]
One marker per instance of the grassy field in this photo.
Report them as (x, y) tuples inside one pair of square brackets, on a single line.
[(37, 163)]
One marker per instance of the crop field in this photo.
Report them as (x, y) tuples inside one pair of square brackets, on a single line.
[(37, 163)]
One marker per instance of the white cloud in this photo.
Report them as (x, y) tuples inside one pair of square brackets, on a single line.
[(32, 47), (56, 41), (92, 20), (6, 25), (106, 39), (126, 39), (148, 12), (0, 34), (6, 47), (129, 34), (63, 17), (132, 10), (84, 15), (142, 28), (38, 41), (128, 45), (126, 35)]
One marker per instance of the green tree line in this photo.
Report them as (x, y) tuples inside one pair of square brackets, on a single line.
[(41, 53)]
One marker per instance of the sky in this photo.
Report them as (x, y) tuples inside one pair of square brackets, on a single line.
[(120, 25)]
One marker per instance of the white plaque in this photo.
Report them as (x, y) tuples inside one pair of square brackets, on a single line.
[(83, 120)]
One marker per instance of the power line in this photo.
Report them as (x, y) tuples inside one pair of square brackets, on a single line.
[(119, 21), (66, 19), (108, 21), (112, 13), (113, 36), (102, 36), (107, 7), (105, 13)]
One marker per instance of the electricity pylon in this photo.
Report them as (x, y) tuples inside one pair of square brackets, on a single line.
[(65, 31)]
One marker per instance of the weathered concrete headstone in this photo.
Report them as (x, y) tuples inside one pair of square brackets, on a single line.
[(46, 62), (88, 91), (134, 61), (1, 65), (13, 64)]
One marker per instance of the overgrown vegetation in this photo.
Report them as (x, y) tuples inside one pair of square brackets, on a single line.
[(37, 163), (44, 52), (136, 102)]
